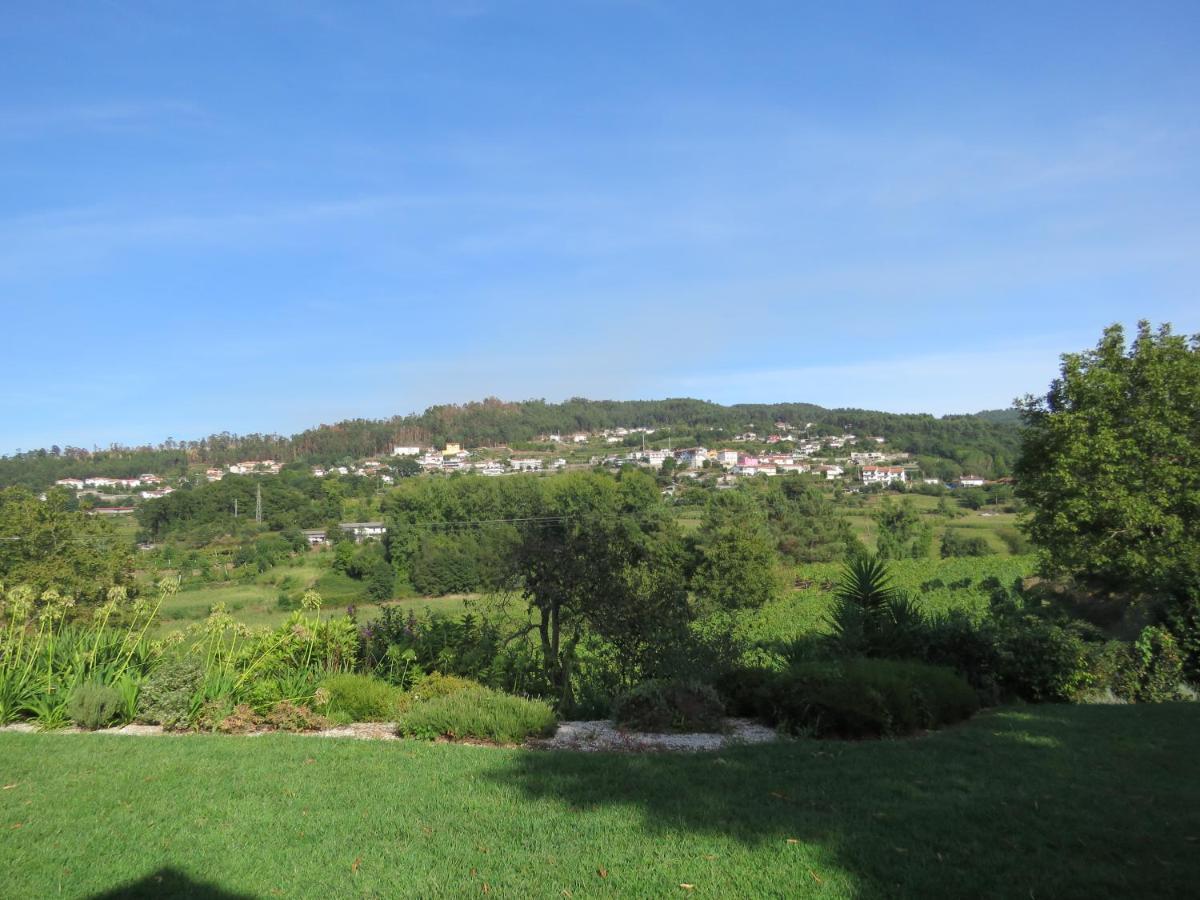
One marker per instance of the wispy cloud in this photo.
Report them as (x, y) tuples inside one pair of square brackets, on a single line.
[(23, 124)]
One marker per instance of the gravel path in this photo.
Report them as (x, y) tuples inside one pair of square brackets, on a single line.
[(587, 737), (602, 735)]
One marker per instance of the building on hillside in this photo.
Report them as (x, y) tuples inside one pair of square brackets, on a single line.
[(406, 451), (214, 474), (931, 481), (727, 458), (74, 484), (883, 474), (866, 459), (112, 510), (363, 531), (692, 457), (318, 471), (655, 458), (314, 536), (580, 437), (491, 468), (525, 465), (830, 472), (971, 481), (453, 448)]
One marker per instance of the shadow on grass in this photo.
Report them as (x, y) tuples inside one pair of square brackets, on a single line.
[(1054, 800), (168, 882)]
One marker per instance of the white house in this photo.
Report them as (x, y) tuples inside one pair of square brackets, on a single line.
[(75, 484), (525, 465), (693, 457), (364, 530), (727, 457), (971, 481), (656, 458), (931, 481), (831, 472), (866, 458), (406, 451), (580, 437), (883, 474)]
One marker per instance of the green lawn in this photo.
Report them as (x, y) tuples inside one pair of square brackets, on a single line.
[(1054, 801)]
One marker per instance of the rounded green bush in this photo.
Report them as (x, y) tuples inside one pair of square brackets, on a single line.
[(670, 706), (434, 686), (357, 698), (94, 706), (479, 713), (868, 698)]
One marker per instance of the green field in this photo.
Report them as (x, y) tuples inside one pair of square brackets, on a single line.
[(987, 523), (1051, 801)]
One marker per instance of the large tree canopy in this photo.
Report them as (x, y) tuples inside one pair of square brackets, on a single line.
[(45, 545), (1110, 464)]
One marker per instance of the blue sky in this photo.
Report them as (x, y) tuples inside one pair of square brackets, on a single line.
[(262, 216)]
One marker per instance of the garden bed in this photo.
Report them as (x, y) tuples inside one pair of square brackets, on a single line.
[(594, 736)]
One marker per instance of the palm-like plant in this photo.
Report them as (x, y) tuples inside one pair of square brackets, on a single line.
[(870, 616)]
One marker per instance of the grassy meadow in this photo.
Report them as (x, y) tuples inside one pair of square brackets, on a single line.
[(1049, 801)]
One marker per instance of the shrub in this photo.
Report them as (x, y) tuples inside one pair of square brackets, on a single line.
[(954, 543), (1182, 617), (867, 698), (1157, 666), (358, 698), (243, 720), (1041, 662), (288, 716), (479, 713), (168, 695), (94, 705), (670, 706), (433, 687)]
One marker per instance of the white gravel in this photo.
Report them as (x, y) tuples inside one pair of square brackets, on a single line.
[(602, 735), (587, 737)]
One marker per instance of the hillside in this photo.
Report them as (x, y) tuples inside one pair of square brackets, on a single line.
[(985, 440)]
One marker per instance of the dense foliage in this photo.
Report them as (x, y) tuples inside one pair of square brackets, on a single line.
[(1110, 465), (48, 546)]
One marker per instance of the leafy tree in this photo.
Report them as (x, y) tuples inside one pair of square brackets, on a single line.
[(1110, 465), (735, 553), (45, 545), (602, 557), (902, 533)]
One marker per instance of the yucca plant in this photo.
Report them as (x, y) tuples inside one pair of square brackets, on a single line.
[(870, 617)]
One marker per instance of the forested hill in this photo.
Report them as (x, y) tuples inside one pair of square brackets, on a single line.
[(987, 440)]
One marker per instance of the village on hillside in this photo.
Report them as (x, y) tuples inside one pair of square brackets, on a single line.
[(785, 451)]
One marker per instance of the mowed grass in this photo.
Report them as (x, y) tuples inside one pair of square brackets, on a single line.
[(1053, 801)]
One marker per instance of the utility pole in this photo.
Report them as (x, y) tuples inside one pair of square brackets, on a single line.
[(258, 503), (235, 507)]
